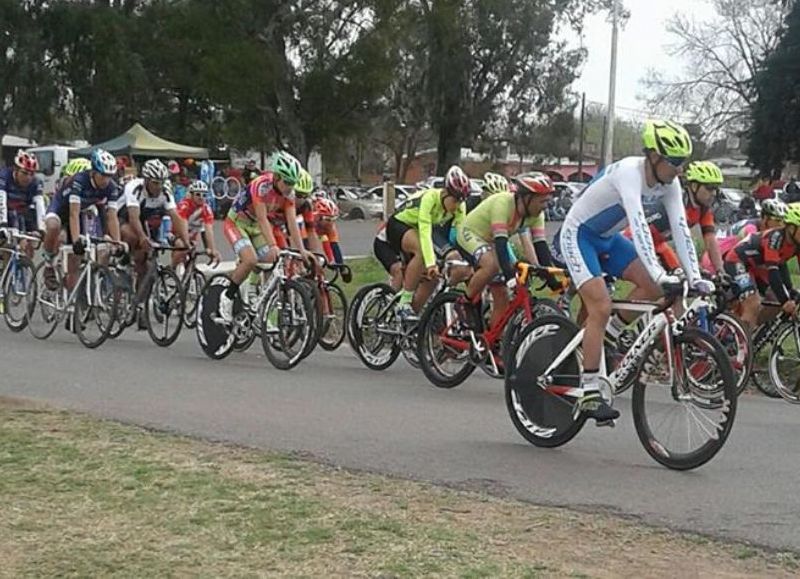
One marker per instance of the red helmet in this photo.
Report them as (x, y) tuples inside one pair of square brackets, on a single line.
[(26, 161), (326, 209), (534, 184), (456, 182)]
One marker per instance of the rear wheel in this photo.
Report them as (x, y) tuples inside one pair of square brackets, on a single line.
[(335, 314), (540, 414), (216, 338), (371, 324), (45, 304)]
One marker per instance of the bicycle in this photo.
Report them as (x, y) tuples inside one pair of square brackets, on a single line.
[(375, 333), (334, 307), (16, 278), (450, 347), (280, 314), (92, 302), (192, 281), (671, 361), (159, 298), (782, 335)]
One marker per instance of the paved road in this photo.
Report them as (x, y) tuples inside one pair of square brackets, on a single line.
[(337, 411)]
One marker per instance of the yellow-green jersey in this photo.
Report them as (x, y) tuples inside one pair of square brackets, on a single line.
[(496, 216), (422, 211)]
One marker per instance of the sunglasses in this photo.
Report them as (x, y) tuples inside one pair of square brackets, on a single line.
[(26, 172), (676, 162)]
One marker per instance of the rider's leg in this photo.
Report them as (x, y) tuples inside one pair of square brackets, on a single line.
[(415, 266), (751, 306), (645, 288), (500, 303), (486, 269)]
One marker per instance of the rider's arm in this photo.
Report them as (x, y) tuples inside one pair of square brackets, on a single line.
[(263, 223), (640, 230), (684, 244), (291, 224), (527, 247), (179, 223), (501, 214), (771, 247), (74, 219), (714, 253), (425, 225), (113, 223)]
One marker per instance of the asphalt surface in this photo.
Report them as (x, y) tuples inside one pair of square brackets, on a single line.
[(337, 411)]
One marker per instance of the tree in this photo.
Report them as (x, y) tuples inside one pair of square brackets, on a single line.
[(775, 133), (723, 56)]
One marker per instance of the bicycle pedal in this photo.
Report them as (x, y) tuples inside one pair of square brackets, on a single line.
[(608, 423)]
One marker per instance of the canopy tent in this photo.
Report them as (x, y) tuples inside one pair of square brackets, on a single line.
[(139, 142)]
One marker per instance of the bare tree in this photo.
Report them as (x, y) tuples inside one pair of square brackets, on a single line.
[(722, 56)]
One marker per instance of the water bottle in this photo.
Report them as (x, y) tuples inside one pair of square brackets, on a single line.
[(166, 229)]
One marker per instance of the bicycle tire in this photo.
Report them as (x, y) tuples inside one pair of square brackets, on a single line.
[(316, 313), (544, 419), (375, 356), (170, 301), (125, 306), (43, 318), (215, 339), (724, 400), (193, 289), (779, 350), (742, 362), (331, 339), (13, 295), (104, 298), (287, 292), (427, 329)]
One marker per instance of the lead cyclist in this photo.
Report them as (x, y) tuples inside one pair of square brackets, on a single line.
[(592, 244)]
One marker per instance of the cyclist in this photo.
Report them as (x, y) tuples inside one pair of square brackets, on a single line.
[(199, 219), (483, 240), (85, 190), (72, 168), (21, 197), (249, 225), (703, 179), (772, 214), (409, 232), (146, 202), (592, 243), (326, 212), (304, 211), (758, 263)]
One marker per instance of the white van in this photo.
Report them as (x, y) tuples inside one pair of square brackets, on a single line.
[(52, 159)]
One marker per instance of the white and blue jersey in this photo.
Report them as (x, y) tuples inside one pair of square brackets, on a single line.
[(590, 239), (17, 203)]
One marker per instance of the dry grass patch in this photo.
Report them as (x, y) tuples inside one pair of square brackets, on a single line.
[(80, 496)]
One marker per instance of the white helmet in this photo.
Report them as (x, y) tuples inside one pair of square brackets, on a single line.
[(198, 186), (104, 162), (155, 169)]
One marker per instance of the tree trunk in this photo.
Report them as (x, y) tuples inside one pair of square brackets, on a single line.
[(411, 151), (448, 148)]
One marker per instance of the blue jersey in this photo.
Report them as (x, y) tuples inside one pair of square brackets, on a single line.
[(17, 198), (80, 189)]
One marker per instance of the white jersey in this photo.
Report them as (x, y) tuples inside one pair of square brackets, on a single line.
[(616, 199), (135, 195)]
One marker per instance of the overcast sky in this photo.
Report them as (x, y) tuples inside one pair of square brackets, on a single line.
[(642, 45)]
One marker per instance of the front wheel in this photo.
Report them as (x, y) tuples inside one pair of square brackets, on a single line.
[(784, 363), (372, 325), (335, 314), (444, 340), (191, 297), (18, 280), (539, 402), (684, 408), (96, 305), (286, 320), (164, 307)]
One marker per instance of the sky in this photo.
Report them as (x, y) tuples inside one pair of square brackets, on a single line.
[(642, 45)]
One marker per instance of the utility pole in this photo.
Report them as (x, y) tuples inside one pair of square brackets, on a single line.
[(581, 135), (608, 141)]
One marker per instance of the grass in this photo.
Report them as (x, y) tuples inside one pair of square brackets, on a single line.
[(366, 270), (85, 497)]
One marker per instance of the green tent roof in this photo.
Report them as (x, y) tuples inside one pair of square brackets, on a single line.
[(138, 141)]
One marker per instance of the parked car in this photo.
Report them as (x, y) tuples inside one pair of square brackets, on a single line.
[(401, 193), (564, 197), (357, 205)]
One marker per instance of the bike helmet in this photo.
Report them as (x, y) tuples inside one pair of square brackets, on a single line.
[(773, 208), (76, 166), (326, 209), (666, 138), (704, 172), (534, 184), (104, 162), (457, 183), (304, 185), (198, 186), (155, 169), (26, 161), (286, 167), (495, 183), (792, 214)]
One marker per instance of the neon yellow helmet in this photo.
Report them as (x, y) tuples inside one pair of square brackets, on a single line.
[(704, 172), (304, 185), (495, 183), (792, 214), (76, 166), (666, 138)]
